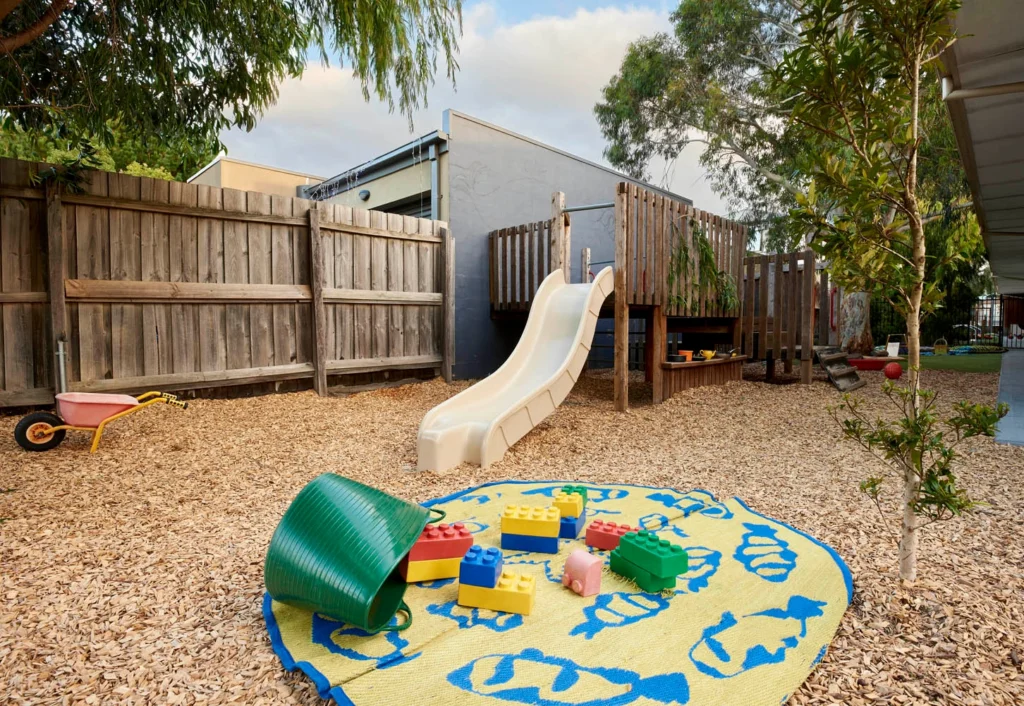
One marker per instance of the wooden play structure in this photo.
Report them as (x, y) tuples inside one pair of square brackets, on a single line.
[(658, 278)]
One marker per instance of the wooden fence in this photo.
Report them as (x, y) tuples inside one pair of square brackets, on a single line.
[(520, 257), (656, 242), (778, 309), (165, 285)]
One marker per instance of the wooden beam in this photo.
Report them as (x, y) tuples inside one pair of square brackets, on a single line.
[(378, 232), (197, 380), (557, 235), (95, 290), (317, 280), (374, 296), (26, 398), (56, 270), (448, 301), (24, 297), (366, 365), (621, 377), (657, 357), (807, 319)]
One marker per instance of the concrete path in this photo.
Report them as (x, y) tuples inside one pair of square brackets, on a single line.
[(1011, 391)]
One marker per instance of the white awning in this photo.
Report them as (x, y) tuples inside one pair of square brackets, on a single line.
[(990, 127)]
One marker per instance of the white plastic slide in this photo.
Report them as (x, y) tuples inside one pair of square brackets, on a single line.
[(479, 424)]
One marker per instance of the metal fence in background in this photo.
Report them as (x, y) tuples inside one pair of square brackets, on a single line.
[(994, 320)]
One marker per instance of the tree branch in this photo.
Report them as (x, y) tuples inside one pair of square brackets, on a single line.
[(33, 31), (7, 7)]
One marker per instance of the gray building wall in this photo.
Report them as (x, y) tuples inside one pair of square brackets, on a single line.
[(499, 179)]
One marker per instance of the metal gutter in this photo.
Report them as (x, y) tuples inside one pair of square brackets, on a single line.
[(427, 147)]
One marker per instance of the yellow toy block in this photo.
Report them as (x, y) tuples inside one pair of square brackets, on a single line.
[(531, 521), (430, 569), (569, 504), (514, 593)]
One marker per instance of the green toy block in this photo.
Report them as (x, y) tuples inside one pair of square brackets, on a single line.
[(643, 578), (578, 489), (658, 556)]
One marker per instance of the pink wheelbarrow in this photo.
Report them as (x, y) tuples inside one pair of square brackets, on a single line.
[(83, 411)]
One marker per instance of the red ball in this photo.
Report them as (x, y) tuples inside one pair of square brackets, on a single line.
[(893, 371)]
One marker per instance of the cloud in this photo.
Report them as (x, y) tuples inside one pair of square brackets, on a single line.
[(539, 77)]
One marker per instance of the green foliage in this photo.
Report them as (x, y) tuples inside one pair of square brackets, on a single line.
[(184, 71), (709, 82), (114, 150), (683, 267), (918, 447), (856, 82)]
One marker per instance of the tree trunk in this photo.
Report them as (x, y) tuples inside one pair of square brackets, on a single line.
[(912, 481), (908, 534), (855, 333)]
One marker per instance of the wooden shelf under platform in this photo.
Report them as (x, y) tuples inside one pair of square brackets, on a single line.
[(677, 377)]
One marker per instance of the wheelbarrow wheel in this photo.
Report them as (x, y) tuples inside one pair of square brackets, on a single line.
[(36, 432)]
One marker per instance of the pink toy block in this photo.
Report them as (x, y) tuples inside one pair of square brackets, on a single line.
[(582, 573)]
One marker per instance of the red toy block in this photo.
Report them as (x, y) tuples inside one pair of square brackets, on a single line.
[(442, 542), (606, 535)]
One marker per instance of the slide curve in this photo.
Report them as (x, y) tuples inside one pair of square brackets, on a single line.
[(479, 424)]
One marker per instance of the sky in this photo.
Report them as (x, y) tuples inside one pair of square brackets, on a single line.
[(531, 66)]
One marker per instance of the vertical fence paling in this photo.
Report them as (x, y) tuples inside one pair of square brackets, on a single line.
[(178, 286), (520, 257), (657, 232), (778, 305)]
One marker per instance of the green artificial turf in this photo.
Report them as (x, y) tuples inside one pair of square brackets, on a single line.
[(976, 363)]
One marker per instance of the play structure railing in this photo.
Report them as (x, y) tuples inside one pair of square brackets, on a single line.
[(521, 256), (778, 321), (659, 241)]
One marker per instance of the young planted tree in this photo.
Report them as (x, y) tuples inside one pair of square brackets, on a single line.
[(855, 86), (183, 71)]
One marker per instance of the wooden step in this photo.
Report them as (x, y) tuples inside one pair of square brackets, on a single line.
[(830, 358), (838, 371), (849, 384)]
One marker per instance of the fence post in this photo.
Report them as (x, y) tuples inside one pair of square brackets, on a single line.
[(558, 233), (621, 381), (448, 302), (585, 265), (807, 319), (55, 256), (317, 281)]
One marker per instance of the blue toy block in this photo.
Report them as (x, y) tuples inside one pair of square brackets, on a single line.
[(570, 527), (529, 543), (481, 567)]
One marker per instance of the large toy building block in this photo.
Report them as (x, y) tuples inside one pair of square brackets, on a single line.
[(569, 504), (571, 527), (578, 489), (644, 579), (514, 593), (429, 570), (532, 521), (582, 573), (481, 567), (659, 556), (529, 543), (606, 535), (441, 542)]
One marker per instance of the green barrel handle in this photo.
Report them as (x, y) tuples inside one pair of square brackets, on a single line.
[(441, 515), (403, 607)]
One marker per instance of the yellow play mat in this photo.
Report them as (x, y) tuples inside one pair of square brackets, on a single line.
[(745, 625)]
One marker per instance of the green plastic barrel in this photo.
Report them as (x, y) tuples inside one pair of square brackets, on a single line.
[(336, 549)]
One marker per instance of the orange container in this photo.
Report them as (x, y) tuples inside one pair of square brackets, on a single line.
[(687, 354), (88, 409)]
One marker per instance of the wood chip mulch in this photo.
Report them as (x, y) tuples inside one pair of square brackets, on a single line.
[(135, 575)]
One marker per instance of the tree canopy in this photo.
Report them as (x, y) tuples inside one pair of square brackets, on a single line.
[(183, 71), (708, 82)]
